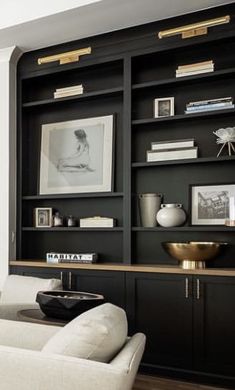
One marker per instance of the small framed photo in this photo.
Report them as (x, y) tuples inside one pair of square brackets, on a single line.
[(43, 217), (210, 204), (163, 107)]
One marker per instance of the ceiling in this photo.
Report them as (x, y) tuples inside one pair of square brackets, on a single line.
[(67, 20)]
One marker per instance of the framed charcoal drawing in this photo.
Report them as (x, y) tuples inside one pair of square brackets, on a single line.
[(43, 217), (163, 107), (210, 203), (77, 156)]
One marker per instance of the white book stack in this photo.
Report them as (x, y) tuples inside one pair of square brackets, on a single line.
[(196, 68), (209, 105), (172, 150), (97, 222), (68, 91)]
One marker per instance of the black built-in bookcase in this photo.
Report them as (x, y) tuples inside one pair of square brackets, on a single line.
[(124, 73)]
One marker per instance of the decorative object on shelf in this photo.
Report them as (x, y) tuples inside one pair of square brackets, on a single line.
[(171, 214), (210, 203), (194, 29), (55, 258), (163, 107), (196, 68), (77, 156), (209, 105), (97, 222), (226, 137), (193, 254), (71, 221), (149, 204), (43, 217), (65, 58), (68, 91), (58, 219), (231, 220), (67, 304)]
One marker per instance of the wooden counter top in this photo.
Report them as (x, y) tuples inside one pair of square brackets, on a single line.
[(126, 268)]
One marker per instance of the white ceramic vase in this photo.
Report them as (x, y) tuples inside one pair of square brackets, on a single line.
[(170, 215)]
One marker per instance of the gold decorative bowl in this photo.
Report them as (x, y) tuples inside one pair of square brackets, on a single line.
[(193, 254)]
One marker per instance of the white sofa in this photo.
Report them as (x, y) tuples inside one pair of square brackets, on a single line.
[(19, 292), (92, 352)]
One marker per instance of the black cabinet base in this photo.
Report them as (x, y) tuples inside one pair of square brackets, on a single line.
[(188, 376)]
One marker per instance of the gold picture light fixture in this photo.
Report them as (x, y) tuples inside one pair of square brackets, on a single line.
[(192, 30), (65, 58)]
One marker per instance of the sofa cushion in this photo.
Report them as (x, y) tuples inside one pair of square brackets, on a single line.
[(97, 334), (18, 289)]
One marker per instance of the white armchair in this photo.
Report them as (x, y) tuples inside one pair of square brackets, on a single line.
[(19, 292), (45, 357)]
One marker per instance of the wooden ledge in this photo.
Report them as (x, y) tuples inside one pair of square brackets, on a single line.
[(169, 269)]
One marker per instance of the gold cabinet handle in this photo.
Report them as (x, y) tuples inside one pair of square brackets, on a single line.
[(198, 289), (186, 288), (70, 280)]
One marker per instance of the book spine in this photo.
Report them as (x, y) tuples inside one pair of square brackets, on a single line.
[(194, 69), (208, 106), (72, 88), (209, 109), (172, 145), (184, 153), (211, 101), (192, 73), (197, 64), (73, 93)]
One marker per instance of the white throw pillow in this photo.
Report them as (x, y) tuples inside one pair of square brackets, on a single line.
[(23, 289), (97, 334)]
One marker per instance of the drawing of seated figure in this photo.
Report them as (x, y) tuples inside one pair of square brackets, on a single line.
[(80, 160)]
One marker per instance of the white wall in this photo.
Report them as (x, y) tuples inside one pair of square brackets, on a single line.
[(20, 11), (8, 61)]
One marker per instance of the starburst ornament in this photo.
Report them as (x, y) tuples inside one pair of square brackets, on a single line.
[(225, 137)]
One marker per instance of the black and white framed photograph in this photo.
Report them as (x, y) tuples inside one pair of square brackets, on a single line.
[(163, 107), (43, 217), (210, 204), (77, 156)]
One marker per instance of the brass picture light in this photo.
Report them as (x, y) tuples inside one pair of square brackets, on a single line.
[(65, 58), (192, 30)]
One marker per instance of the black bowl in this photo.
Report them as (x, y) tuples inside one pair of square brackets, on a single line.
[(67, 304)]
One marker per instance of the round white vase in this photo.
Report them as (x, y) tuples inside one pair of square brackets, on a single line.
[(170, 215)]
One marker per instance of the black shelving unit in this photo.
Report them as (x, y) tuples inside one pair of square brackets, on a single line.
[(125, 81)]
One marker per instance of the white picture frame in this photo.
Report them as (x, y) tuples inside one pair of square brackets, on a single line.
[(163, 107), (43, 217), (210, 204), (77, 156)]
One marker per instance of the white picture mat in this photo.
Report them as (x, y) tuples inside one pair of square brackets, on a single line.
[(210, 191), (58, 143)]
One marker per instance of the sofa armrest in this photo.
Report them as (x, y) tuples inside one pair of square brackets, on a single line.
[(25, 334), (8, 311), (24, 369)]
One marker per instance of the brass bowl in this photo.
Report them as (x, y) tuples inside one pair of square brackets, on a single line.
[(193, 254)]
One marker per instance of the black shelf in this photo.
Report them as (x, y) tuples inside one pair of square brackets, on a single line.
[(74, 196), (84, 96), (183, 117), (207, 228), (180, 80), (72, 229), (200, 160)]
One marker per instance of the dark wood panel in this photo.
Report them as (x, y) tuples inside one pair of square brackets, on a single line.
[(157, 306)]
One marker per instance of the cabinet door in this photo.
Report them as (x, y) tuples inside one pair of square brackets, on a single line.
[(37, 272), (161, 307), (214, 324), (110, 284)]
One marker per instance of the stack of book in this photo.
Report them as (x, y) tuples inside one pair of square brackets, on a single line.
[(68, 91), (192, 69), (55, 258), (209, 105), (172, 150)]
